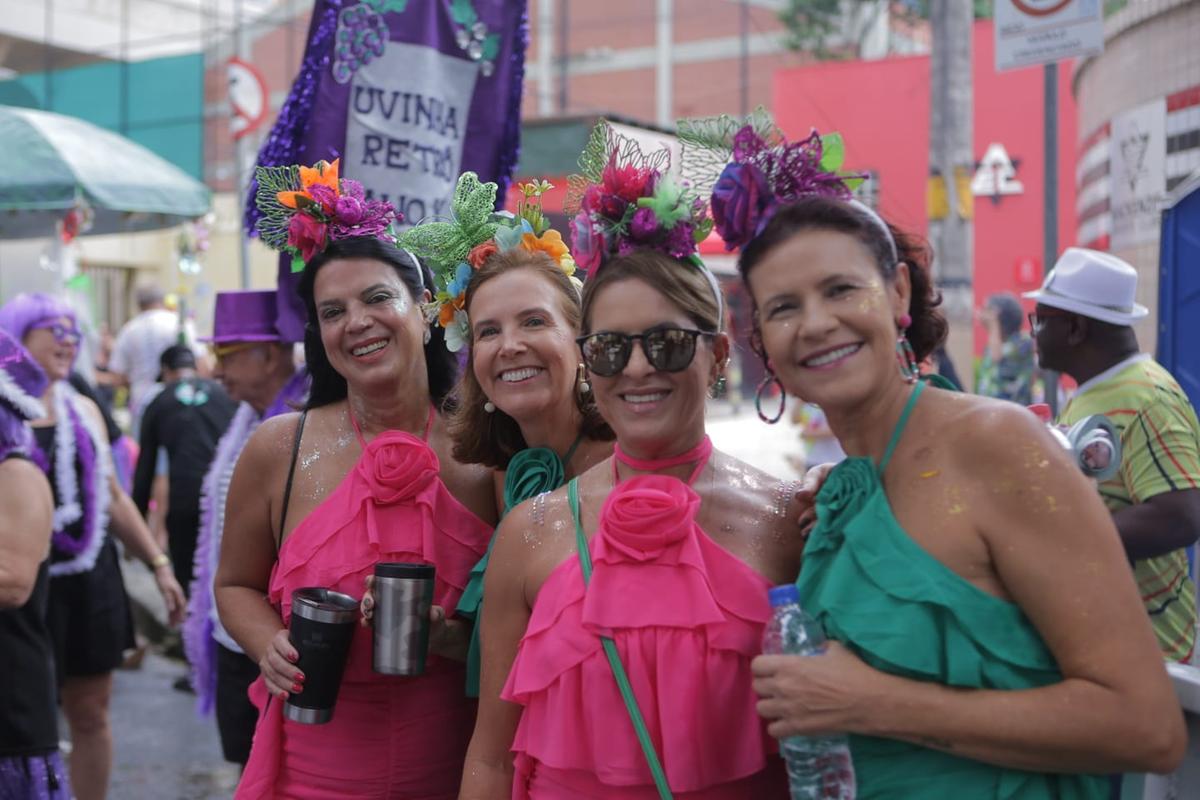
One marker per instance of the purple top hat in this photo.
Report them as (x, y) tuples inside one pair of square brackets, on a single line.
[(247, 316), (22, 381)]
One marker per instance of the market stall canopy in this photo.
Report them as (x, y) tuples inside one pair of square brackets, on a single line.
[(56, 163)]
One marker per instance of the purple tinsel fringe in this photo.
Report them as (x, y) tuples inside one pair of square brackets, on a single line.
[(280, 147), (510, 148)]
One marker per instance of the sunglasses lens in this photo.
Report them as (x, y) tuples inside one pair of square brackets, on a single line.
[(606, 354), (670, 349)]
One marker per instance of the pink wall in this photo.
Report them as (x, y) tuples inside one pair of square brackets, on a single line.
[(882, 110)]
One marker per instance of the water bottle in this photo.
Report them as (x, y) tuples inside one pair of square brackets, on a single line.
[(819, 767)]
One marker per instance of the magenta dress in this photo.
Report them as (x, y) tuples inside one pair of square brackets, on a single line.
[(687, 618), (390, 737)]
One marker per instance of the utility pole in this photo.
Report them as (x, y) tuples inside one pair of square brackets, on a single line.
[(951, 162), (545, 57), (663, 101)]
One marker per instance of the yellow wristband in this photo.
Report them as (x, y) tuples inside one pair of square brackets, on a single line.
[(160, 560)]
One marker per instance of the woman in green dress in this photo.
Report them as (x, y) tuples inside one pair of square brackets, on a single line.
[(987, 637)]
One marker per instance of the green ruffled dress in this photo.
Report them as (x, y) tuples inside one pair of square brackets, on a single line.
[(904, 612), (530, 472)]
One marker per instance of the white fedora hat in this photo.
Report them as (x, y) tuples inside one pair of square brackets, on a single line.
[(1093, 284)]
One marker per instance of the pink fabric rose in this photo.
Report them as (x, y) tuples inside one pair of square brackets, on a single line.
[(647, 514), (307, 235), (396, 466)]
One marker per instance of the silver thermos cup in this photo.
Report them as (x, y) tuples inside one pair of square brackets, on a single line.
[(403, 597)]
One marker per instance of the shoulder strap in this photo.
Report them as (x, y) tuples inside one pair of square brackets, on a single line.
[(287, 487), (614, 659), (900, 423)]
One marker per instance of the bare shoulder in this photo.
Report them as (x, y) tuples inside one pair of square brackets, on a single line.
[(742, 488), (89, 407), (19, 476), (988, 434), (273, 436)]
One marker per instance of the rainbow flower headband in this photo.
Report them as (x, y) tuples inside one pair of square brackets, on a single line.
[(455, 248), (753, 170), (305, 208), (624, 199)]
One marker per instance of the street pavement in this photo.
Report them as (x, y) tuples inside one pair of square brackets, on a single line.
[(161, 749)]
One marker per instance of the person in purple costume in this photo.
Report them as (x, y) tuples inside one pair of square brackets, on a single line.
[(30, 764), (257, 367)]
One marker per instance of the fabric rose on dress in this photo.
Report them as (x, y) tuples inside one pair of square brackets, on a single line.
[(531, 472), (647, 514), (307, 235), (844, 493), (740, 202), (396, 466)]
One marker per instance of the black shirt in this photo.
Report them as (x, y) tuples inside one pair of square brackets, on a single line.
[(28, 700), (187, 418)]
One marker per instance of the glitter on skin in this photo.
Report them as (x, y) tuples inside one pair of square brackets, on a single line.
[(933, 473)]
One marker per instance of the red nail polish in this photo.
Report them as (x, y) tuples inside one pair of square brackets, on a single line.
[(299, 677), (297, 688)]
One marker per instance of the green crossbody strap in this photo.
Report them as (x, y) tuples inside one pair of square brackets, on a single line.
[(614, 660)]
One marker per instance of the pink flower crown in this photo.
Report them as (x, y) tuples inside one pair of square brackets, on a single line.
[(624, 199), (305, 208)]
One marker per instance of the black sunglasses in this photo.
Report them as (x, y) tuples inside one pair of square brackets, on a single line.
[(667, 349)]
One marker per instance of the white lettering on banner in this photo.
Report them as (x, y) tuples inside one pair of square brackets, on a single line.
[(1137, 173), (405, 128)]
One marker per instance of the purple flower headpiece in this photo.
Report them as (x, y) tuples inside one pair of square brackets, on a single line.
[(759, 170), (305, 208)]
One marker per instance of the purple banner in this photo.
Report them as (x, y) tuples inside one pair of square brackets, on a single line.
[(409, 94)]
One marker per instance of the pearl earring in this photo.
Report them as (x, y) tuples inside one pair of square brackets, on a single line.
[(489, 406)]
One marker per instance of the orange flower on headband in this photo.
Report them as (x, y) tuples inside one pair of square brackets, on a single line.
[(481, 253), (320, 174), (446, 313), (550, 242)]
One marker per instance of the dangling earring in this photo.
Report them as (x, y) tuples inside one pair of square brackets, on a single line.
[(758, 396), (489, 406), (584, 387), (905, 356), (428, 334)]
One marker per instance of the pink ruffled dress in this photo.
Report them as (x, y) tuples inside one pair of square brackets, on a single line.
[(687, 618), (390, 737)]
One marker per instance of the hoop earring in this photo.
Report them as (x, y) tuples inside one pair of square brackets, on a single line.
[(905, 357), (489, 407), (758, 395)]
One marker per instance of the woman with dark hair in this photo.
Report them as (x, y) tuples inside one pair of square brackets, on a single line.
[(88, 612), (987, 638), (662, 589), (523, 406), (363, 474)]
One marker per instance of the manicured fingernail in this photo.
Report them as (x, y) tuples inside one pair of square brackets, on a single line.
[(297, 688), (299, 677), (293, 657)]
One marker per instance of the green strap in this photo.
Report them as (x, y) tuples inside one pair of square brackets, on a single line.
[(614, 660), (899, 429)]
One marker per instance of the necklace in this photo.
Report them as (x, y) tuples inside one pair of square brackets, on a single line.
[(699, 454)]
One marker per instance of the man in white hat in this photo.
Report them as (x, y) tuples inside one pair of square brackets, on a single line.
[(1082, 326)]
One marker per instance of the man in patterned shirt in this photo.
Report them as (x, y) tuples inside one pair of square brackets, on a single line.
[(1082, 327)]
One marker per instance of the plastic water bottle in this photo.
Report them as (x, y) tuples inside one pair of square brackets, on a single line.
[(819, 767)]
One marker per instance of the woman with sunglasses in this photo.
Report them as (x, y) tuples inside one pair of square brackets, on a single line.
[(987, 637), (522, 406), (89, 616), (363, 475), (660, 555)]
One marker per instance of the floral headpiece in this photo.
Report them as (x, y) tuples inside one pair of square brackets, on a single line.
[(753, 170), (455, 248), (624, 199), (305, 208)]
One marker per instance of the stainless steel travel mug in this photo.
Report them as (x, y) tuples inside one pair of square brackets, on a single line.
[(321, 628), (403, 597)]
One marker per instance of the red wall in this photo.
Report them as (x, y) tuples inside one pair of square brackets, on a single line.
[(882, 110)]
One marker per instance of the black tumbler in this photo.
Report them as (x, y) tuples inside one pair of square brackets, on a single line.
[(322, 626)]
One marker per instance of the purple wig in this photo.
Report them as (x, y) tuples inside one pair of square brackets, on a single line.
[(22, 312), (22, 382)]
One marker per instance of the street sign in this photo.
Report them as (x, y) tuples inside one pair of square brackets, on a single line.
[(996, 175), (247, 96), (1030, 32)]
